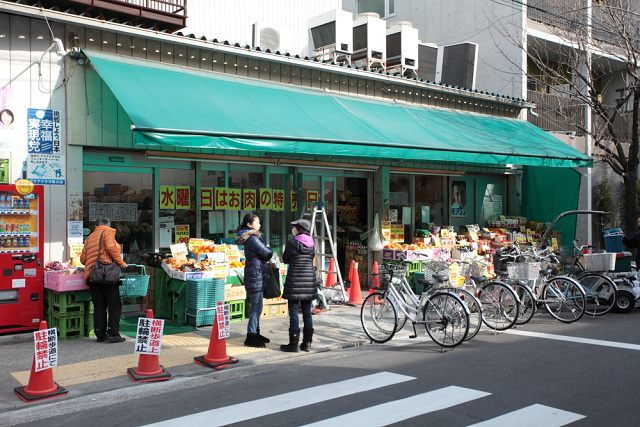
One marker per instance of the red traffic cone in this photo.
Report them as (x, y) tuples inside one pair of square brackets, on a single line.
[(375, 279), (216, 356), (331, 275), (355, 294), (149, 368), (41, 385), (350, 277)]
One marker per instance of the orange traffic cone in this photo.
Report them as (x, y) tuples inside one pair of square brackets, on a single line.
[(355, 294), (331, 275), (216, 356), (149, 368), (350, 277), (375, 279), (41, 385)]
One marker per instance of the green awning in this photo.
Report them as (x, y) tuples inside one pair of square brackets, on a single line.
[(174, 106)]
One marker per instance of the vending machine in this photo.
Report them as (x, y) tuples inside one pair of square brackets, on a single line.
[(21, 256)]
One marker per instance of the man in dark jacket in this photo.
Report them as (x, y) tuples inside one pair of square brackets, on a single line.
[(256, 255), (634, 242), (300, 287)]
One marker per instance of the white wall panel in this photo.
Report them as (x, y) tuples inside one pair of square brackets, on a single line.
[(233, 20), (29, 83)]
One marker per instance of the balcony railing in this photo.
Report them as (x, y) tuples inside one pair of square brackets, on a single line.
[(570, 16), (170, 15), (555, 112), (559, 113)]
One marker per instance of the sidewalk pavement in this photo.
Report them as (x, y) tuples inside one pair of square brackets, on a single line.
[(88, 367)]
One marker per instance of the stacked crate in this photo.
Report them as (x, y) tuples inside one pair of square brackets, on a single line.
[(64, 311), (202, 297), (235, 296)]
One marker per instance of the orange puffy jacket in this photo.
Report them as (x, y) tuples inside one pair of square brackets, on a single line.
[(110, 249)]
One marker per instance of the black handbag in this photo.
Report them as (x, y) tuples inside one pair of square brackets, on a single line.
[(274, 281), (104, 273)]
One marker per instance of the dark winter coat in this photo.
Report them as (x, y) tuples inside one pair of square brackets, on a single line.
[(256, 255), (301, 275), (633, 242)]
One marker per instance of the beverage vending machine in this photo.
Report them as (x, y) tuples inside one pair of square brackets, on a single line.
[(21, 256)]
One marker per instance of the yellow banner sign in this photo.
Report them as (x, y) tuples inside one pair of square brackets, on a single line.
[(167, 197), (183, 197), (266, 198)]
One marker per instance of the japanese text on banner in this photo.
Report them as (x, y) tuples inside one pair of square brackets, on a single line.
[(223, 314), (149, 336), (46, 349)]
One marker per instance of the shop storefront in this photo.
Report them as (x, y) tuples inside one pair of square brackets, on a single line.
[(178, 171)]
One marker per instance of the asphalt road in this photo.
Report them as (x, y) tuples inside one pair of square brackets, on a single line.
[(543, 373)]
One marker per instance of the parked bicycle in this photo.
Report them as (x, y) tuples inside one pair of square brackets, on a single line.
[(600, 291), (385, 311), (562, 296)]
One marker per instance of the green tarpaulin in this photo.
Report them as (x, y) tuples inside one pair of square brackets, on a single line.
[(174, 106), (548, 192)]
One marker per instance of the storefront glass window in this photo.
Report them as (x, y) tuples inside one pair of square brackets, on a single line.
[(212, 220), (429, 201), (127, 201), (178, 201), (400, 203)]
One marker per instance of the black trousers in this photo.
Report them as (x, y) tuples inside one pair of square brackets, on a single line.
[(106, 297)]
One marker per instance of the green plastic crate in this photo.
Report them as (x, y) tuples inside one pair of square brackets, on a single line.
[(236, 309), (89, 330), (83, 296), (62, 303), (200, 317), (69, 327)]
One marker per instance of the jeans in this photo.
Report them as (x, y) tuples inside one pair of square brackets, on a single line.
[(294, 324), (106, 297), (256, 312)]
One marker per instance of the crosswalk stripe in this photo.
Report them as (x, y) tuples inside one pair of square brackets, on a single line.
[(403, 409), (287, 401), (575, 339), (533, 416)]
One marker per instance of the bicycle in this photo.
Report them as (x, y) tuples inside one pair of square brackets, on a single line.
[(444, 314), (600, 290), (498, 304), (562, 296), (440, 280)]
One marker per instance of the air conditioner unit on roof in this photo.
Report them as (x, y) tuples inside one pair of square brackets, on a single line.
[(369, 41), (402, 48), (265, 37), (332, 36), (427, 61), (458, 64)]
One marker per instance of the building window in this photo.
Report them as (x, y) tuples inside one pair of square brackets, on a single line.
[(384, 8)]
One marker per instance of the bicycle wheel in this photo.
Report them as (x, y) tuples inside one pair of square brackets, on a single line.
[(379, 317), (446, 319), (564, 299), (473, 308), (402, 318), (600, 293), (500, 305), (527, 302)]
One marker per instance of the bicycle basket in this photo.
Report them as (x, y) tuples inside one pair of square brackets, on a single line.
[(523, 270), (432, 268), (472, 267), (388, 272)]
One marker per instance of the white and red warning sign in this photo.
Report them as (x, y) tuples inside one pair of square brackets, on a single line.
[(149, 336), (46, 349), (223, 316)]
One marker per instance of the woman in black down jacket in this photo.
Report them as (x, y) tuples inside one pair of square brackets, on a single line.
[(300, 287), (256, 255)]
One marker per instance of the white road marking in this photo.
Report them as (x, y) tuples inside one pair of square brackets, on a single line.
[(575, 339), (287, 401), (533, 416), (403, 409)]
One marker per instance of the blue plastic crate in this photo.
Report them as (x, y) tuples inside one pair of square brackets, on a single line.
[(613, 243)]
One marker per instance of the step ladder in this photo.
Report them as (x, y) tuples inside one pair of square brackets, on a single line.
[(325, 246)]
